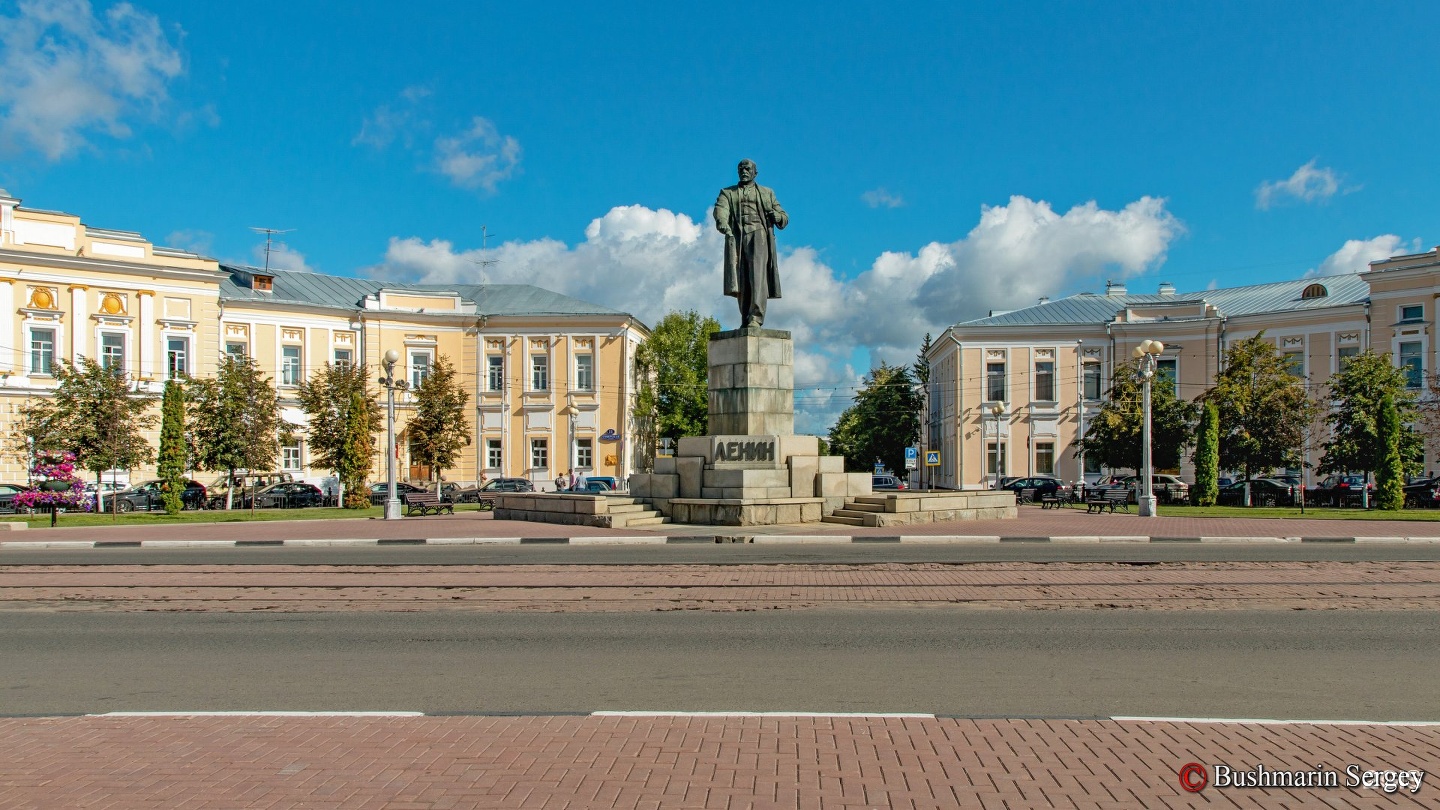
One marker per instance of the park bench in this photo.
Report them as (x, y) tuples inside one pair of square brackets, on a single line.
[(1051, 500), (1110, 499), (426, 503), (1025, 496)]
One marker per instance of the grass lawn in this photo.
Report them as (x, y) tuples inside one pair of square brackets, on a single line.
[(210, 516), (1320, 513)]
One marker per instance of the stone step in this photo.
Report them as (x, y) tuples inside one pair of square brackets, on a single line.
[(622, 500), (854, 513), (838, 518), (861, 506), (657, 520), (626, 508)]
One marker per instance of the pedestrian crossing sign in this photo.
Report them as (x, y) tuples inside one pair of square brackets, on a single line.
[(932, 458)]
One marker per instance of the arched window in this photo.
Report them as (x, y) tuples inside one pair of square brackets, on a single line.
[(1315, 291)]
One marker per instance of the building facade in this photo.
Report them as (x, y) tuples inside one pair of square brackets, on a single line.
[(549, 376), (1011, 393)]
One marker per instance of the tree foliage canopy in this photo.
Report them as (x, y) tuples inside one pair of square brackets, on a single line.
[(234, 419), (1390, 468), (1264, 409), (1356, 392), (92, 414), (171, 464), (884, 420), (1115, 436), (439, 430), (1207, 457), (672, 397), (343, 421)]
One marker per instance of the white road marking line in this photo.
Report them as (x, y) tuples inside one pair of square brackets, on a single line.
[(1262, 722)]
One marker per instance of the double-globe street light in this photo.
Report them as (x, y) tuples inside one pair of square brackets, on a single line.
[(996, 410), (391, 385), (1146, 353)]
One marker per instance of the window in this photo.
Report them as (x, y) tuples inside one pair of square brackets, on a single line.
[(585, 453), (539, 454), (1168, 368), (290, 457), (112, 351), (1294, 363), (42, 351), (419, 368), (1092, 381), (1348, 353), (344, 358), (177, 353), (290, 373), (1314, 291), (995, 382), (236, 351), (585, 372), (495, 372), (1412, 363), (1412, 312), (1045, 458), (992, 450), (494, 459), (1092, 464), (539, 372), (1045, 380)]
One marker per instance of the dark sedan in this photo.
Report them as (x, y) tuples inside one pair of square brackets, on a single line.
[(1263, 492), (1340, 490), (1423, 494), (1040, 486), (379, 493), (148, 496), (288, 495)]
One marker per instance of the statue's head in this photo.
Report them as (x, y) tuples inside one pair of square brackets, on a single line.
[(747, 170)]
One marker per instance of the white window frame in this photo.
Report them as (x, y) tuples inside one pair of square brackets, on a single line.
[(1004, 383), (188, 354), (101, 334), (30, 330), (539, 452), (585, 453), (244, 349), (494, 454), (1400, 313), (1170, 359), (583, 384), (1099, 369), (415, 373), (1341, 360), (544, 359), (996, 470), (1035, 380), (1054, 457), (347, 363), (286, 455), (299, 376), (492, 383), (1416, 340)]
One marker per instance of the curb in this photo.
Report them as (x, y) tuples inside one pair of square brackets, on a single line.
[(660, 539)]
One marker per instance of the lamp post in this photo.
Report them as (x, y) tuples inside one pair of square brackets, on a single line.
[(391, 385), (1146, 353), (995, 411)]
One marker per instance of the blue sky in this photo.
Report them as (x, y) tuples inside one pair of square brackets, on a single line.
[(937, 160)]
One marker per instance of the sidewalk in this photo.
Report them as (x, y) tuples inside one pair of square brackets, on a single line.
[(1032, 525), (918, 761)]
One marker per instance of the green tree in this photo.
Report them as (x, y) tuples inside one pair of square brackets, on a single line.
[(93, 414), (1115, 436), (1357, 391), (1207, 457), (438, 429), (1390, 471), (1264, 409), (234, 420), (672, 397), (171, 463), (884, 420), (344, 419)]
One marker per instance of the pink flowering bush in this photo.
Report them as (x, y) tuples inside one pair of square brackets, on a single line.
[(53, 465)]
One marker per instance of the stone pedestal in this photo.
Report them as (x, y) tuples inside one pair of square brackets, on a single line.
[(752, 382)]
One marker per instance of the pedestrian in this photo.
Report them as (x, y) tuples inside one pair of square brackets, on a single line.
[(572, 479), (560, 482)]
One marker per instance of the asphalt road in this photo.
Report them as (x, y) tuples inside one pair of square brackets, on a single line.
[(1237, 664), (729, 553)]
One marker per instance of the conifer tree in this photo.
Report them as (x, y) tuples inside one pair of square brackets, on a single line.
[(1207, 457), (1390, 474), (171, 464)]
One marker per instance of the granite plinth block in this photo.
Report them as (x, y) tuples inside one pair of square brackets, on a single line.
[(751, 382)]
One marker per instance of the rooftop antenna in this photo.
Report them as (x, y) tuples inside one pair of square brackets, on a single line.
[(269, 237), (484, 243)]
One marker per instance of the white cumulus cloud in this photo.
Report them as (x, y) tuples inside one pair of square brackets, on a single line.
[(880, 198), (1356, 254), (479, 158), (1307, 184), (66, 74), (649, 262)]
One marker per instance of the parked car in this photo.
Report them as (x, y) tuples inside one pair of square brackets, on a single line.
[(1263, 492), (1002, 481), (1042, 484), (7, 496), (610, 480), (1423, 494), (497, 485), (1167, 488), (886, 482), (148, 496), (244, 483), (287, 495), (1339, 490), (590, 486), (379, 493)]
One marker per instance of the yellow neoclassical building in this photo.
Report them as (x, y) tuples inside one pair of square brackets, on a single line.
[(1011, 393), (548, 375)]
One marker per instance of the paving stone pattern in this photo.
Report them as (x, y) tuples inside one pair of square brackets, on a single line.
[(199, 763)]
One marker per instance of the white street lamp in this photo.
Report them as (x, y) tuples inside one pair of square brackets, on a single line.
[(995, 410), (391, 385), (1146, 353)]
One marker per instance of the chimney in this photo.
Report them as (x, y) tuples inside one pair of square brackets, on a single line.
[(1114, 288), (1166, 288)]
